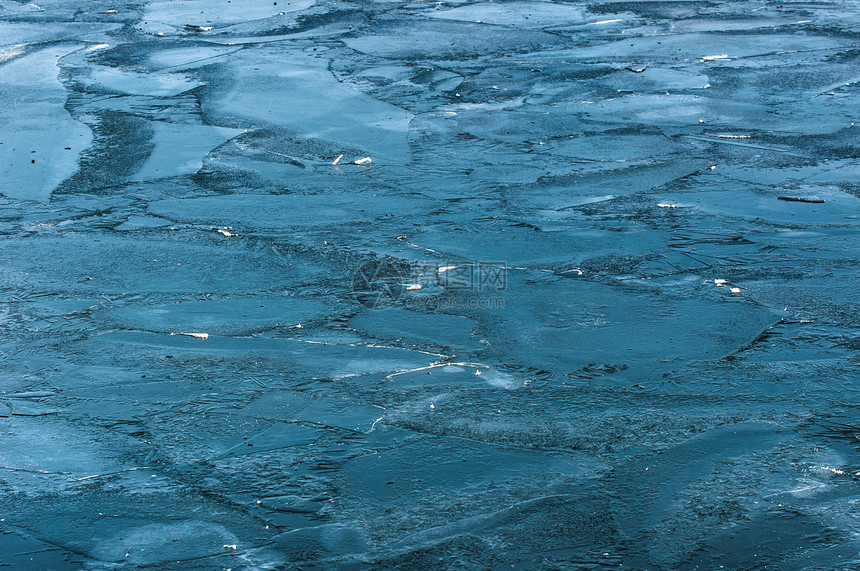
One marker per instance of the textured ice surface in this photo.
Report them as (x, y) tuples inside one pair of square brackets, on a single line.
[(221, 317), (164, 85), (345, 115), (170, 17), (416, 327), (461, 284), (518, 14), (181, 149), (41, 141)]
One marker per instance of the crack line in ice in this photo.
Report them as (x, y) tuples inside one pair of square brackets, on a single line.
[(33, 471), (113, 473), (436, 366), (365, 345), (187, 63), (728, 141), (430, 353), (470, 524)]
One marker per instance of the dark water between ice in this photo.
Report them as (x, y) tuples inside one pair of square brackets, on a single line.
[(470, 285)]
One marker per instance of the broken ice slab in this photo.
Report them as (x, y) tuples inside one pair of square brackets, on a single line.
[(819, 295), (128, 264), (437, 131), (575, 322), (58, 12), (342, 362), (291, 512), (435, 329), (160, 527), (835, 206), (257, 169), (705, 47), (435, 79), (238, 316), (577, 521), (125, 394), (695, 25), (318, 360), (142, 223), (518, 14), (15, 35), (158, 543), (655, 80), (289, 520), (33, 409), (830, 115), (649, 487), (322, 542), (184, 58), (295, 504), (154, 84), (506, 248), (277, 436), (30, 395), (19, 550), (121, 406), (454, 375), (562, 191), (780, 535), (41, 141), (259, 90), (837, 171), (782, 174), (49, 455), (436, 471), (441, 40), (511, 169), (810, 81), (170, 17), (255, 211), (181, 148), (673, 110), (614, 147), (323, 410)]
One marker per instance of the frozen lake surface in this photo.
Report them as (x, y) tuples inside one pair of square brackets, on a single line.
[(425, 285)]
